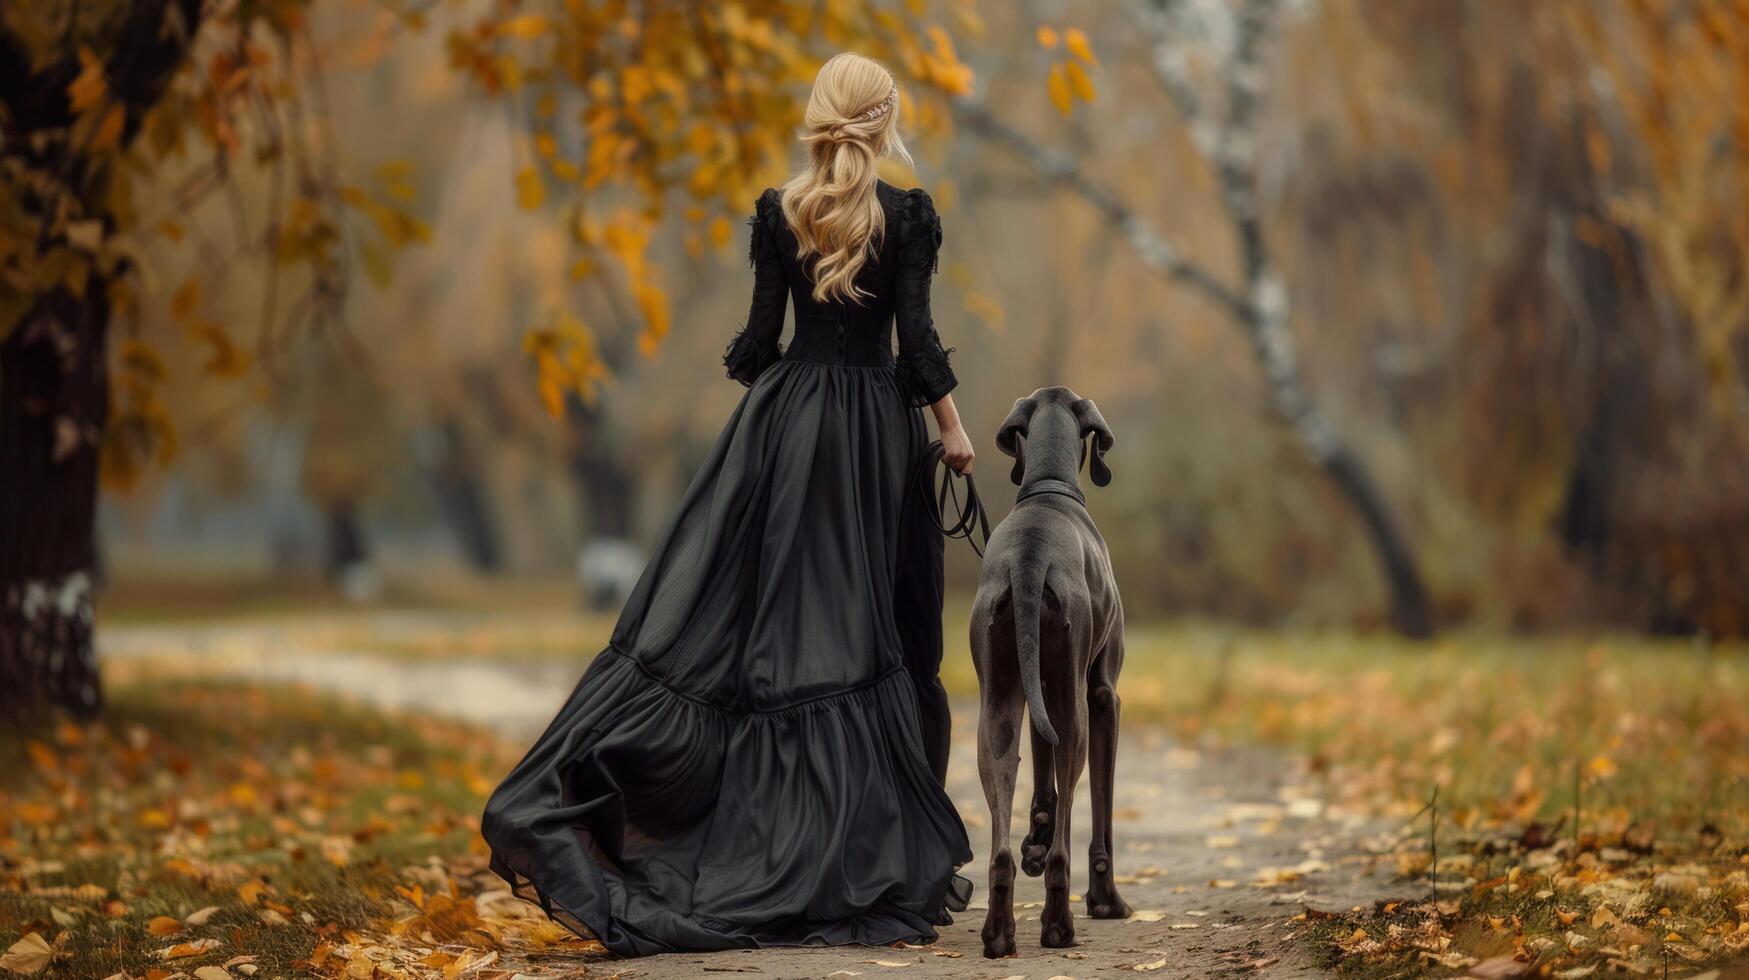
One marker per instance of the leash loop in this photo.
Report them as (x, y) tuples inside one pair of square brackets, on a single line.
[(967, 515)]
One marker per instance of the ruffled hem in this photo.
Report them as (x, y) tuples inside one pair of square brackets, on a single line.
[(656, 821)]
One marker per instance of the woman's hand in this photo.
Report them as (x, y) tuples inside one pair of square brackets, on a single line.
[(956, 448)]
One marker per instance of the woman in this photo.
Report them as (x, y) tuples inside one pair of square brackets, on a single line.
[(746, 764)]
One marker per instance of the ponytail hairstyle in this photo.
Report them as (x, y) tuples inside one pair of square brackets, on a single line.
[(851, 121)]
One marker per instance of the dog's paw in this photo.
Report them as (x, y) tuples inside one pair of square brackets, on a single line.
[(1108, 908), (1057, 935), (998, 941), (999, 947)]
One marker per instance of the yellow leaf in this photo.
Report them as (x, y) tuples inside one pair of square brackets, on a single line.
[(1078, 80), (163, 925), (1058, 84), (530, 189), (551, 389), (44, 757), (1047, 36), (195, 948), (721, 231), (250, 891), (1601, 767), (108, 133), (187, 297), (527, 25), (89, 87), (1075, 40), (29, 955), (398, 169), (653, 303)]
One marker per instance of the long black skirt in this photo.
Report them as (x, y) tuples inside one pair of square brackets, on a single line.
[(745, 765)]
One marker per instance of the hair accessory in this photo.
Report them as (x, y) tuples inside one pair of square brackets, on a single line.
[(882, 107)]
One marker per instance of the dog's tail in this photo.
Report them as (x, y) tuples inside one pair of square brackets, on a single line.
[(1026, 587)]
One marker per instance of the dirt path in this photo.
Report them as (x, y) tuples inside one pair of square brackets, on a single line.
[(1217, 849)]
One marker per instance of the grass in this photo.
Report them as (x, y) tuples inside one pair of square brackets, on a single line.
[(298, 822), (1593, 793)]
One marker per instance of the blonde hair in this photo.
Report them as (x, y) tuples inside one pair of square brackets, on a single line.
[(852, 120)]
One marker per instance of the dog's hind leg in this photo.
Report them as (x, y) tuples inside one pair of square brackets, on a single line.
[(1103, 901), (1058, 918), (1044, 808), (1066, 690), (1000, 715)]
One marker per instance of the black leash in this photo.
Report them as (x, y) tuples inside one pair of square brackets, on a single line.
[(969, 516)]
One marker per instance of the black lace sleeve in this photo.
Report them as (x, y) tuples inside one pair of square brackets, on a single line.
[(923, 367), (756, 348)]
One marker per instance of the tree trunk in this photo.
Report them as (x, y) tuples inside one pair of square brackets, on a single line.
[(54, 401), (1261, 311), (454, 470), (608, 486)]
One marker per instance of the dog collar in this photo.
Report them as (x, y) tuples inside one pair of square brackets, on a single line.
[(1061, 488)]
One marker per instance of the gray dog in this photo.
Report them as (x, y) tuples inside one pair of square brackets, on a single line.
[(1047, 626)]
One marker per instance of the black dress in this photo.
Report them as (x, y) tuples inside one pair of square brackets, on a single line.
[(757, 757)]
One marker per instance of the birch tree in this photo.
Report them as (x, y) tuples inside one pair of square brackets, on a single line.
[(1212, 58)]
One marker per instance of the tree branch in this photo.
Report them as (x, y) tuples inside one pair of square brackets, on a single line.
[(1158, 253)]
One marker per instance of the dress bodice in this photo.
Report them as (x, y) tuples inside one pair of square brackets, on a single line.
[(854, 333)]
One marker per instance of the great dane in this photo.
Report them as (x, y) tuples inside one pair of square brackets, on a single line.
[(1047, 637)]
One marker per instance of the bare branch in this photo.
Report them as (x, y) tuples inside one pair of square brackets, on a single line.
[(1058, 168)]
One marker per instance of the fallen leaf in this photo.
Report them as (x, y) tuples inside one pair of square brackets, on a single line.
[(1151, 965), (163, 925), (29, 955), (194, 948), (212, 973), (1499, 968), (198, 918)]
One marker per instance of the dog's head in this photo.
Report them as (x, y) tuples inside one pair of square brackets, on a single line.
[(1054, 426)]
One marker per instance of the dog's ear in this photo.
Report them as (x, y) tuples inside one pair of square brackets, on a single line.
[(1093, 423), (1011, 437)]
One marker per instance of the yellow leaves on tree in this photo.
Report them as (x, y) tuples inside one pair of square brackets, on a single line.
[(140, 432), (89, 87), (1067, 79), (698, 101), (566, 361), (1679, 75), (531, 191)]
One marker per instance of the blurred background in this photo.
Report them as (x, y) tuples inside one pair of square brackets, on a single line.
[(1503, 241), (343, 336)]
